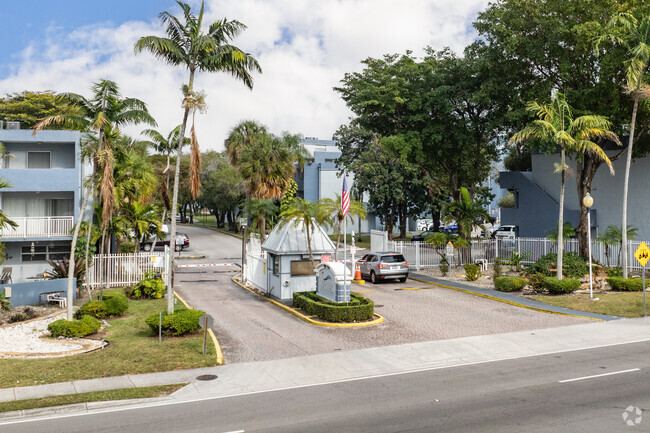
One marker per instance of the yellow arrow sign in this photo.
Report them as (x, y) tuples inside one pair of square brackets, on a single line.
[(642, 254)]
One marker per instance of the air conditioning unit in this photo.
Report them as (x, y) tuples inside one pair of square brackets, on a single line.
[(13, 125)]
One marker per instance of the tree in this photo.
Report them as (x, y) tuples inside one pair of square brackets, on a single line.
[(333, 215), (634, 35), (5, 221), (556, 128), (261, 213), (305, 213), (144, 220), (186, 45), (613, 235), (466, 213), (29, 107), (222, 190), (102, 114)]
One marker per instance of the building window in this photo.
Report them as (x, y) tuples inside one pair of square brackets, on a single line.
[(38, 159), (276, 265), (43, 252)]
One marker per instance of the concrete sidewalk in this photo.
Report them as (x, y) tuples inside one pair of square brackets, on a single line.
[(245, 378)]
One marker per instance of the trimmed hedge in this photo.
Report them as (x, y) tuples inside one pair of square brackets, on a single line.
[(148, 288), (180, 323), (74, 328), (114, 305), (557, 287), (509, 284), (626, 285), (358, 309)]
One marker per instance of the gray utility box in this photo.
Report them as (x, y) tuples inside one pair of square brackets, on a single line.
[(330, 282)]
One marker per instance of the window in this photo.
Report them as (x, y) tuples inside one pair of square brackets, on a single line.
[(276, 265), (393, 258), (44, 252), (38, 159)]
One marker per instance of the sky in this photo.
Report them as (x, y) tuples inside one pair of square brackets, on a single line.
[(304, 48)]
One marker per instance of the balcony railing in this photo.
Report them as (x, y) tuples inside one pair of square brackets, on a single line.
[(39, 227)]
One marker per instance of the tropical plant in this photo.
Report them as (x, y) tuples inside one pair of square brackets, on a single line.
[(613, 235), (261, 213), (556, 127), (633, 34), (568, 232), (143, 220), (517, 259), (187, 45), (331, 209), (5, 221), (466, 213), (60, 269), (305, 213)]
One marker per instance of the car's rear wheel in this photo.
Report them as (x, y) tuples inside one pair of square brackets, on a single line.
[(178, 248), (147, 247), (402, 280), (373, 277)]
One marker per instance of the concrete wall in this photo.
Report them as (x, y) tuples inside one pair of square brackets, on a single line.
[(28, 293)]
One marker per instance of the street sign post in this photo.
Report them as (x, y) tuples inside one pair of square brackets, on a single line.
[(642, 254), (206, 321)]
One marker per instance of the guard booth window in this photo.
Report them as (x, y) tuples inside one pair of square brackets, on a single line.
[(276, 265)]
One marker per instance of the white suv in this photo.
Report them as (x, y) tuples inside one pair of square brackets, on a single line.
[(506, 232)]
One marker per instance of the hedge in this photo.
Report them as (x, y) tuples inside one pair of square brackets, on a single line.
[(179, 323), (114, 305), (358, 309), (626, 285), (74, 328), (509, 284), (557, 287)]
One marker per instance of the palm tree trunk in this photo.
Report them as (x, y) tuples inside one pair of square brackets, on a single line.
[(560, 231), (101, 249), (72, 258), (88, 236), (625, 185)]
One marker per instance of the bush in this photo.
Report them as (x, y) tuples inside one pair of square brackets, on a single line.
[(558, 287), (27, 313), (111, 306), (626, 284), (148, 288), (74, 328), (573, 265), (127, 247), (496, 268), (4, 303), (180, 323), (95, 309), (509, 284), (444, 266), (472, 271), (358, 309), (536, 281), (614, 272)]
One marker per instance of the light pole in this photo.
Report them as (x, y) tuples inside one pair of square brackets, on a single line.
[(588, 201)]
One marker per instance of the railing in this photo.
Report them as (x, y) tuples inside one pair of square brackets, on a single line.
[(121, 270), (41, 227)]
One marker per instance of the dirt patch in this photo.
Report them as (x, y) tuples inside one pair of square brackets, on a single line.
[(26, 313)]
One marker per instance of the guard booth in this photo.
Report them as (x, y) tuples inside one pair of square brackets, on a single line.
[(333, 282), (289, 267)]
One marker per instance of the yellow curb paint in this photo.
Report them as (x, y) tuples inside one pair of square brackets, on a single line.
[(493, 298), (417, 288), (308, 319), (213, 337), (360, 282)]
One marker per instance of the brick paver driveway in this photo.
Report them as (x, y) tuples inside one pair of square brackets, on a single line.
[(252, 329)]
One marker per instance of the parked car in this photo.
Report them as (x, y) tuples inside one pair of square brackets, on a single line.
[(506, 232), (182, 242), (384, 265), (421, 236)]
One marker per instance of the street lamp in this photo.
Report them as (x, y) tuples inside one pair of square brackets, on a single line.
[(588, 201)]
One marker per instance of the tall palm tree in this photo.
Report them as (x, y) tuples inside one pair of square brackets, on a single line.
[(188, 46), (305, 213), (634, 35), (245, 133), (103, 114), (555, 125), (331, 208)]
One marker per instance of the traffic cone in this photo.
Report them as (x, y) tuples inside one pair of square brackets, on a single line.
[(357, 275)]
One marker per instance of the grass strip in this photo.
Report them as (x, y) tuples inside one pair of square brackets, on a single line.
[(621, 304), (86, 397)]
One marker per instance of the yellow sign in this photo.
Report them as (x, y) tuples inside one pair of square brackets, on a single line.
[(449, 244), (642, 254)]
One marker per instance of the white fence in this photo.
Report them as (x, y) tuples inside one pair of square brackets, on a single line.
[(45, 227), (119, 270), (255, 271)]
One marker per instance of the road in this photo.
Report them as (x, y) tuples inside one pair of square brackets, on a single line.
[(577, 391)]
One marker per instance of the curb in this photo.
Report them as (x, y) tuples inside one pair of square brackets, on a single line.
[(308, 319), (217, 347), (188, 257), (516, 304)]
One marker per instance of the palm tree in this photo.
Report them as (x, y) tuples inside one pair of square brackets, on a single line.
[(261, 213), (465, 212), (556, 126), (104, 113), (143, 220), (634, 35), (188, 46), (613, 235), (5, 221), (245, 133), (305, 213), (331, 208)]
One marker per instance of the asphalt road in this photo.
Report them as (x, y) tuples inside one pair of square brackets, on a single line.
[(578, 391), (217, 247)]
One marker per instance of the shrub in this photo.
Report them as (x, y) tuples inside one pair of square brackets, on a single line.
[(444, 266), (74, 328), (509, 284), (496, 268), (574, 265), (626, 284), (179, 323), (111, 306), (558, 287), (148, 288), (472, 271), (27, 313), (614, 272), (536, 281), (95, 308), (358, 309), (127, 247), (4, 303)]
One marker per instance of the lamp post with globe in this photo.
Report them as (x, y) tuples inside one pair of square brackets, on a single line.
[(588, 201)]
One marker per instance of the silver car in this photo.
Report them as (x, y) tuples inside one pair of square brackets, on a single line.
[(384, 265)]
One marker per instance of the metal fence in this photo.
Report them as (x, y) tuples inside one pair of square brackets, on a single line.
[(119, 270)]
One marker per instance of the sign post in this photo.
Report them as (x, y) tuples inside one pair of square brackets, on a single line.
[(642, 254), (206, 321)]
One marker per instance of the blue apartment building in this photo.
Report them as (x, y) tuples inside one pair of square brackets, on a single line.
[(46, 175)]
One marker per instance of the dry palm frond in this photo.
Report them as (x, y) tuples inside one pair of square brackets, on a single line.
[(195, 164)]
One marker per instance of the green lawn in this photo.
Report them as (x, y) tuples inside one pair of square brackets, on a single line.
[(623, 304), (110, 395), (132, 350)]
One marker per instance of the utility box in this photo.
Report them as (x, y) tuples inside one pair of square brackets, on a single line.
[(332, 283), (7, 292)]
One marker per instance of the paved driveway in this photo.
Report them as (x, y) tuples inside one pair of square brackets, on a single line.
[(252, 329)]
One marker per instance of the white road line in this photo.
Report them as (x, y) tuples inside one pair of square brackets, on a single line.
[(207, 265), (236, 431), (599, 375)]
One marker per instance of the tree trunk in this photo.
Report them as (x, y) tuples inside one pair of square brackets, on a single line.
[(560, 220), (585, 172), (72, 258), (403, 219), (625, 185)]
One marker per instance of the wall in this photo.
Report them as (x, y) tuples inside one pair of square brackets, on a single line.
[(28, 293)]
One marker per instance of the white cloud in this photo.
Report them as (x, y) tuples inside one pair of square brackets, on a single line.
[(322, 41)]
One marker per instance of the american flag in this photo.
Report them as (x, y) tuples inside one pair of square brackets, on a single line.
[(345, 198)]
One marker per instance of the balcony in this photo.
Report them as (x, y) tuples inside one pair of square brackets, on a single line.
[(39, 227)]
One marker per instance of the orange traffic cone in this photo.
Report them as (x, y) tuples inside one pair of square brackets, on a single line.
[(357, 275)]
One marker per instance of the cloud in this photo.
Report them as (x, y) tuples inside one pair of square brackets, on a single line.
[(304, 48)]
